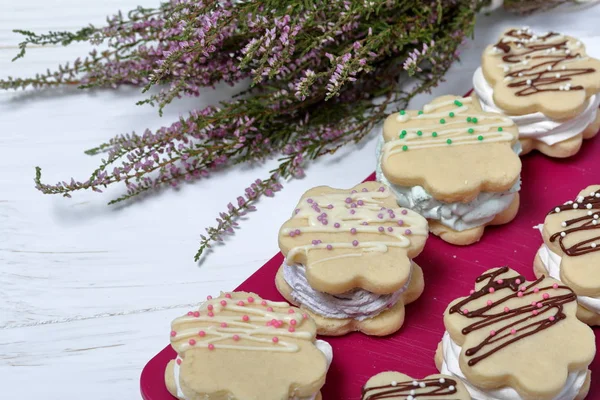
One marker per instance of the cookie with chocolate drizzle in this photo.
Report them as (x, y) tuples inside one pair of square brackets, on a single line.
[(397, 386)]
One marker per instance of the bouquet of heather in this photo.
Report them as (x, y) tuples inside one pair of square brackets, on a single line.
[(315, 67)]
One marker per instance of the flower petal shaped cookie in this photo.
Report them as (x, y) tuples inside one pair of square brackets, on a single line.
[(395, 385), (571, 250), (547, 84), (353, 238), (239, 346), (511, 338), (455, 164)]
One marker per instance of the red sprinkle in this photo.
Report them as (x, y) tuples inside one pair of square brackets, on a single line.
[(293, 322), (208, 297), (190, 313), (211, 346), (210, 307), (250, 299), (192, 342), (236, 337), (228, 295), (291, 329), (201, 333), (546, 296), (223, 324), (223, 303), (269, 308), (173, 333), (196, 314), (263, 303), (291, 311), (275, 339), (305, 316), (245, 318), (211, 314), (179, 361), (240, 303)]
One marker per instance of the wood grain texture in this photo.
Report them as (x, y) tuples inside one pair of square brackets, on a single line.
[(87, 291)]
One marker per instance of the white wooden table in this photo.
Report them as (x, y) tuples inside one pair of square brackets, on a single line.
[(87, 291)]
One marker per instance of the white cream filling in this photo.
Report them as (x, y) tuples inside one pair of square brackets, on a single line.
[(551, 261), (457, 216), (322, 345), (359, 304), (537, 125), (450, 366)]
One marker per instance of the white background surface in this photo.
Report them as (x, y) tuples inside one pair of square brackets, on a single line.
[(87, 291)]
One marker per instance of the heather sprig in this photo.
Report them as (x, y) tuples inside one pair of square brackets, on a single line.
[(322, 74)]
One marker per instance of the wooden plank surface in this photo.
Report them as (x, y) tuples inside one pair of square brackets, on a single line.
[(87, 291)]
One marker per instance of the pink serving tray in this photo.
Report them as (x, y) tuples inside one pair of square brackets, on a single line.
[(449, 273)]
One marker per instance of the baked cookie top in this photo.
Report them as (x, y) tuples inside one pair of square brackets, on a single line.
[(549, 73), (353, 238), (452, 148), (395, 385), (507, 321), (572, 230), (244, 347)]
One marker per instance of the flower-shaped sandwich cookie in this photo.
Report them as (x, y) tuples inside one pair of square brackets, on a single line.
[(349, 258), (397, 386), (571, 250), (547, 84), (515, 339), (453, 163), (239, 346)]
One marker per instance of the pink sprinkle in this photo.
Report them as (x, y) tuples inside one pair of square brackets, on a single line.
[(263, 303), (275, 339), (380, 216), (329, 247), (211, 346), (196, 314), (492, 333), (535, 290), (330, 206), (201, 333), (539, 305), (546, 296), (250, 299), (352, 211), (291, 311), (535, 312), (518, 281), (513, 331), (492, 290), (211, 314), (360, 202), (382, 189), (533, 303), (506, 309), (208, 297), (400, 222), (223, 324), (245, 318), (192, 342), (555, 286), (551, 318), (465, 311), (355, 243), (305, 316), (210, 307), (173, 333), (489, 303), (380, 229), (309, 201), (223, 303), (336, 225), (228, 295), (236, 337), (364, 190), (390, 229), (404, 212), (353, 231), (520, 294), (291, 329), (500, 281), (179, 361), (472, 291), (269, 308), (190, 313), (293, 322), (523, 288), (240, 303), (348, 200)]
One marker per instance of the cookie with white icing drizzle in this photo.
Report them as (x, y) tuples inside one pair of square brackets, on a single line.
[(398, 386), (547, 72), (511, 338), (456, 155), (240, 346), (571, 249)]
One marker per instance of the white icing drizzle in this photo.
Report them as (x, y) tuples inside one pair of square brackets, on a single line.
[(358, 212), (454, 128), (258, 333)]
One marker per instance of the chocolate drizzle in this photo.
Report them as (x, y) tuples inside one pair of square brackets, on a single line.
[(521, 322), (544, 56), (590, 205), (432, 388)]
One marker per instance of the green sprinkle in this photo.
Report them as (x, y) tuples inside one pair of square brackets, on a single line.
[(404, 148), (402, 134), (500, 129), (474, 120), (451, 115), (420, 112), (471, 130), (434, 134), (458, 103), (449, 141), (402, 112), (419, 133), (442, 121), (479, 137), (469, 119)]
